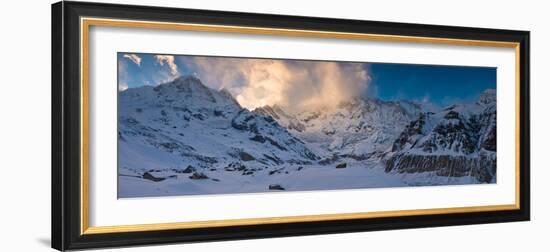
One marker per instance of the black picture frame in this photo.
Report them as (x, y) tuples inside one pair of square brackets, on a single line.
[(66, 125)]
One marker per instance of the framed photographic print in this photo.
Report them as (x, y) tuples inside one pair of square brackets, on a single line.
[(181, 125)]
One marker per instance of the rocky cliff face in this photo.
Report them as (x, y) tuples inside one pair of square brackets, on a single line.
[(457, 141)]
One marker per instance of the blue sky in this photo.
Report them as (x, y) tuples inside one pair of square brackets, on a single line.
[(256, 82), (439, 84)]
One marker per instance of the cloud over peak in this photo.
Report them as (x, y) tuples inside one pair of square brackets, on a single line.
[(294, 84), (169, 61)]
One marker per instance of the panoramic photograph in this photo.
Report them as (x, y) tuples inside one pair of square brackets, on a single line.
[(198, 125)]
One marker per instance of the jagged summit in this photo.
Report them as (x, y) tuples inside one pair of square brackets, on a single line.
[(184, 91), (185, 80), (184, 83)]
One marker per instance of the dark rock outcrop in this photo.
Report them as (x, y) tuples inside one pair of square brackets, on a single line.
[(244, 156), (148, 176), (198, 175), (189, 169), (235, 166), (341, 165), (276, 187)]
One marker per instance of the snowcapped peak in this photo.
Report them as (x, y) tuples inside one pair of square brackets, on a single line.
[(488, 96), (188, 82), (187, 78), (184, 92), (186, 88), (275, 111)]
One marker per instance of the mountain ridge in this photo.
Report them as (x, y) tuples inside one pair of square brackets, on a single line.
[(184, 126)]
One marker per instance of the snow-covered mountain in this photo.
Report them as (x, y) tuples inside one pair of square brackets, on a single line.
[(357, 128), (182, 137), (457, 141), (201, 127)]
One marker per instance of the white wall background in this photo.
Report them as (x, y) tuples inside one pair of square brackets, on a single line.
[(25, 125)]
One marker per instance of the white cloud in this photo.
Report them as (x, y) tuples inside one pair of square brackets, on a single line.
[(134, 58), (292, 84), (168, 60)]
